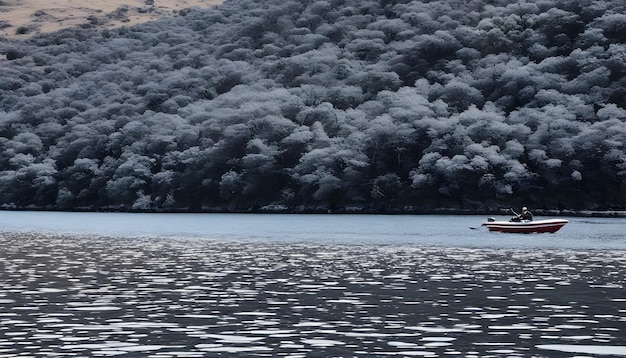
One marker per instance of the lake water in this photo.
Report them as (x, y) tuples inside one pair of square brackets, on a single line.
[(206, 285), (437, 230)]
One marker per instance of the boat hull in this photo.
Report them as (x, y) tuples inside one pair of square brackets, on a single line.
[(526, 227)]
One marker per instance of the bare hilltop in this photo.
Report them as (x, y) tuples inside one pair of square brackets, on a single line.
[(20, 19)]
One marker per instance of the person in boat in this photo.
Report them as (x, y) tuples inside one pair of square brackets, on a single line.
[(526, 215)]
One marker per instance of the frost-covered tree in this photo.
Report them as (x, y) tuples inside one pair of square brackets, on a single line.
[(341, 104)]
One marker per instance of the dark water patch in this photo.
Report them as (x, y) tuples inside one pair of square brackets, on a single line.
[(77, 296)]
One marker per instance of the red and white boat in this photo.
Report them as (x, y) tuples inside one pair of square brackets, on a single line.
[(525, 226)]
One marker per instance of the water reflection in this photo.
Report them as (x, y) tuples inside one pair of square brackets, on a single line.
[(77, 296)]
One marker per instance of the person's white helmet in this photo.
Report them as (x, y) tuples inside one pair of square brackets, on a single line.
[(524, 208)]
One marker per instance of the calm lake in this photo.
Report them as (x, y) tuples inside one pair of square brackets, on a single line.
[(207, 285)]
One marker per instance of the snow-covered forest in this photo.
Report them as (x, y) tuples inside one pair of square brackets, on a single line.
[(343, 105)]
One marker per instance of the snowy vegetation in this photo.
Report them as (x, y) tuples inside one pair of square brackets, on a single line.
[(344, 105)]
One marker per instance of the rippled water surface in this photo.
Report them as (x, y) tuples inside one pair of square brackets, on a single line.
[(135, 285)]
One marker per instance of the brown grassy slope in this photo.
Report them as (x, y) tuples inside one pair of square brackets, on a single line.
[(20, 19)]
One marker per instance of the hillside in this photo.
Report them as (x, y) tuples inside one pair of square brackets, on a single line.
[(342, 105)]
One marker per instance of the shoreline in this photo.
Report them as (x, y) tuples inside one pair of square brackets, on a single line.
[(442, 211)]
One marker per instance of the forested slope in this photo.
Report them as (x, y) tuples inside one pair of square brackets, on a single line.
[(344, 105)]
